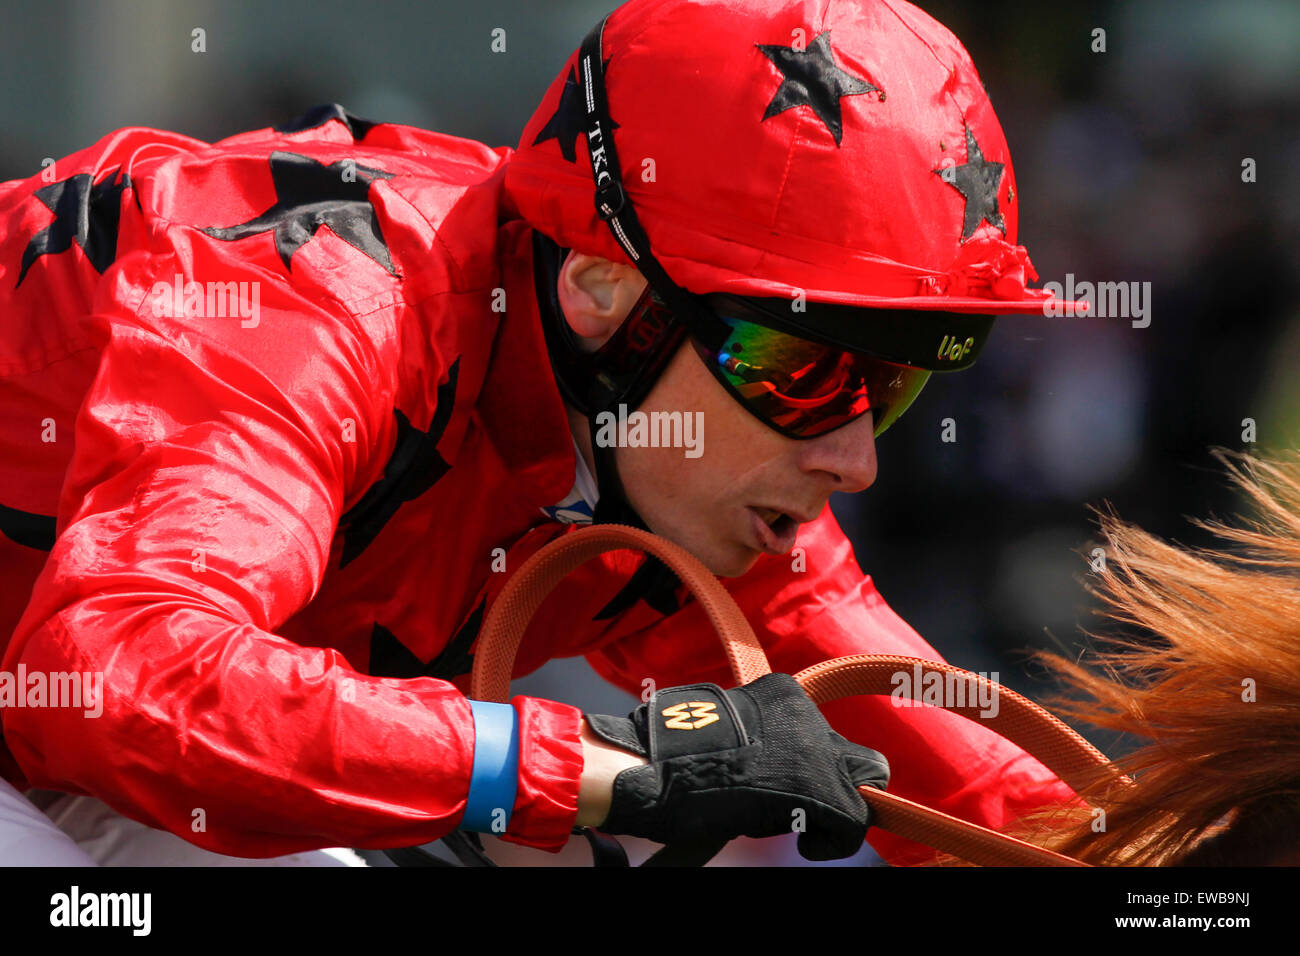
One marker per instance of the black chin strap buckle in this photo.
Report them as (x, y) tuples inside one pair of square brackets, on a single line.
[(610, 200)]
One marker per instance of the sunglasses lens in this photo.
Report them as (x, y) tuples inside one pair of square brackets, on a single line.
[(806, 388)]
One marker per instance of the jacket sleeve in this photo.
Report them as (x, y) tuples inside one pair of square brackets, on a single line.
[(212, 462), (830, 609)]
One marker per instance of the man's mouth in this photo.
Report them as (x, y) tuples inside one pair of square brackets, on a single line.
[(770, 516), (774, 531)]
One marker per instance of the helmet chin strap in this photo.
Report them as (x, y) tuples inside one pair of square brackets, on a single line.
[(622, 371), (597, 383), (612, 506)]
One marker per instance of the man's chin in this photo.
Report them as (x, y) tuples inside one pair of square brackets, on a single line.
[(726, 560)]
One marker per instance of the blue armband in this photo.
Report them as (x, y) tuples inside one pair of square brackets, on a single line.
[(495, 777)]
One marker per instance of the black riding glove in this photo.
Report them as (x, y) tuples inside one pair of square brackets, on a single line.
[(742, 762)]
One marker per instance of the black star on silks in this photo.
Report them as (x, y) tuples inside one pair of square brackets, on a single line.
[(653, 582), (977, 180), (85, 213), (309, 195), (389, 657), (26, 528), (812, 79), (320, 115), (413, 468), (570, 118)]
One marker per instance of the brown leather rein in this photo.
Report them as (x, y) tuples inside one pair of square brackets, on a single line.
[(1017, 718)]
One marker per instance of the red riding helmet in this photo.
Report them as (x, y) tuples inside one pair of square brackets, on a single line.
[(843, 150)]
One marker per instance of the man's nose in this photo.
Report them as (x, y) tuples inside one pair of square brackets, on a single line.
[(847, 454)]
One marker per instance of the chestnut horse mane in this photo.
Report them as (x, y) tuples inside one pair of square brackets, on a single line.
[(1210, 678)]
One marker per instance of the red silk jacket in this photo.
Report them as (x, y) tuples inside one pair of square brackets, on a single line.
[(272, 410)]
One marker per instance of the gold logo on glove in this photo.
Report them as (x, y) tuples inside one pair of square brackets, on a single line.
[(701, 710)]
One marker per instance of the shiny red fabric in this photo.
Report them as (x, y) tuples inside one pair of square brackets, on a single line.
[(200, 467)]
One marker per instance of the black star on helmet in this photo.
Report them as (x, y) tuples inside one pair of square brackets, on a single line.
[(85, 213), (811, 78), (309, 195), (977, 180), (320, 115), (569, 120)]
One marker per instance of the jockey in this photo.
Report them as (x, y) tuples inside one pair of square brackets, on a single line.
[(282, 412)]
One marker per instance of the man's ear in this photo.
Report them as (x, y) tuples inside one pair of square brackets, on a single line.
[(596, 295)]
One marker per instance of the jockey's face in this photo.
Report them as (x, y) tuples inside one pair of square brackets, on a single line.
[(730, 474)]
